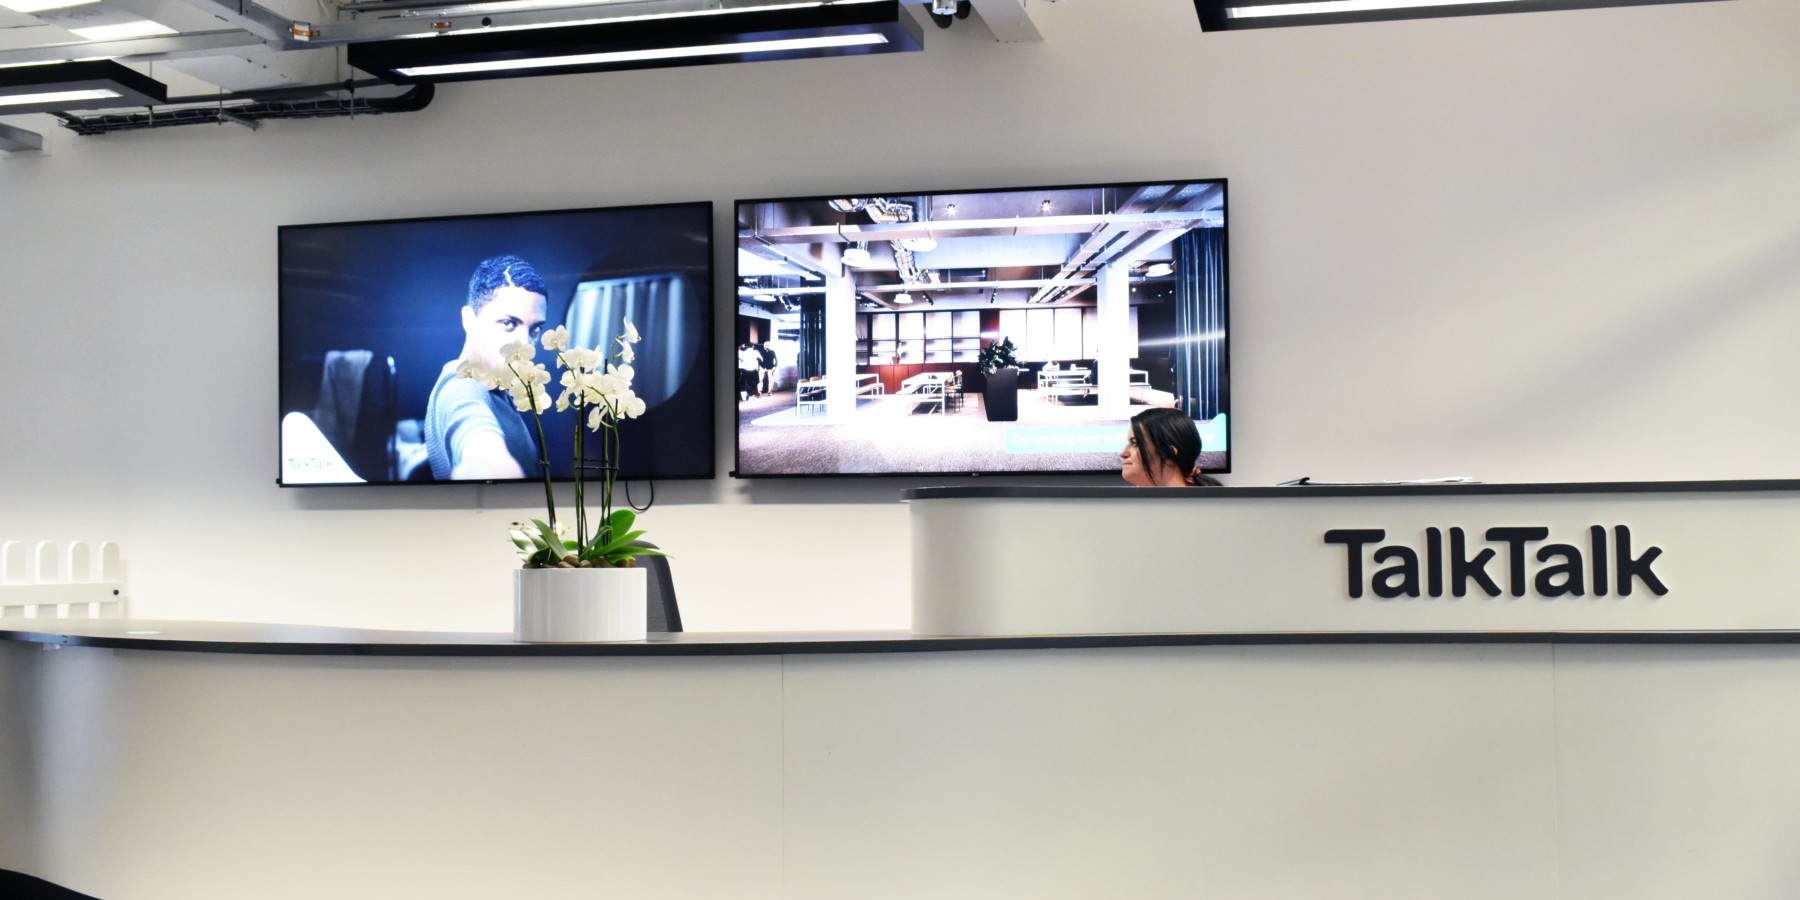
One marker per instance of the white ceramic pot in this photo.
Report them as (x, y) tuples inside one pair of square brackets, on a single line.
[(579, 605)]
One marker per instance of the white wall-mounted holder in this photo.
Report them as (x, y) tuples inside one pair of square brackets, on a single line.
[(52, 581)]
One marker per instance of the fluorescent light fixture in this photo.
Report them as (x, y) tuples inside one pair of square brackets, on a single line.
[(848, 29), (504, 6), (134, 29), (58, 96), (751, 264), (38, 6), (614, 59), (1228, 15), (61, 87)]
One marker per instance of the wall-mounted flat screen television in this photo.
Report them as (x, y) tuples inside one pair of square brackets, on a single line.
[(978, 332), (375, 315)]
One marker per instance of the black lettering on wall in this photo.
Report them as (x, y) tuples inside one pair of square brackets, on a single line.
[(1434, 562), (1628, 568), (1570, 570), (1597, 540), (1515, 540), (1406, 568), (1561, 569), (1462, 568), (1354, 539)]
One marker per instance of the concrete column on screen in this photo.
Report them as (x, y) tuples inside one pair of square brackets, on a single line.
[(840, 346), (1113, 317)]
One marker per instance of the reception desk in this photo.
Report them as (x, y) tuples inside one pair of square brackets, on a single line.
[(192, 761), (1659, 557)]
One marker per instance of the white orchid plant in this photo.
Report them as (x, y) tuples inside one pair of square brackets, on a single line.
[(598, 389)]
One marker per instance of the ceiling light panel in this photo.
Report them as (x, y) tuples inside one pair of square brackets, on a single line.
[(38, 6), (61, 87), (508, 15), (833, 30), (588, 62), (136, 28), (1232, 15)]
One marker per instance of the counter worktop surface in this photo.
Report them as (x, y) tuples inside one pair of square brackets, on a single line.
[(314, 640)]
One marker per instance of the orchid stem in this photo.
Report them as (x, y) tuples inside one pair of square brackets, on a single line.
[(537, 420), (581, 531)]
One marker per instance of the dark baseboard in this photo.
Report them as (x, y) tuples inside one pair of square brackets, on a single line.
[(17, 886)]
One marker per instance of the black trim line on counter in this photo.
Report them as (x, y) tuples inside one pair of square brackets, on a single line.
[(878, 642), (1047, 492)]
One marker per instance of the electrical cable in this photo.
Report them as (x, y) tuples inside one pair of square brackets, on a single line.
[(647, 505)]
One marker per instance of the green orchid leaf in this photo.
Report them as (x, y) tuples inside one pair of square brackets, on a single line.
[(623, 540), (621, 520), (629, 552), (609, 549), (552, 546)]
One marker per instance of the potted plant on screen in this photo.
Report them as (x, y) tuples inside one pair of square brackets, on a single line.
[(580, 583), (999, 365)]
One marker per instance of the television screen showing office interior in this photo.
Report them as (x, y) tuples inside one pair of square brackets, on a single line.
[(1001, 331), (1565, 281)]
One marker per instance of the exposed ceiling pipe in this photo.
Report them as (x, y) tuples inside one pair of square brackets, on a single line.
[(893, 212), (249, 108), (904, 264), (883, 211), (1110, 242)]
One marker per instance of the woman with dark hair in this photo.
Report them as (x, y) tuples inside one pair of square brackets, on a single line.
[(1162, 451)]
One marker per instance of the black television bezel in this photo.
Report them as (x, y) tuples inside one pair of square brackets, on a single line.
[(705, 359), (1225, 349)]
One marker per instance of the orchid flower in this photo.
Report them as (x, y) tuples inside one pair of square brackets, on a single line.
[(592, 385)]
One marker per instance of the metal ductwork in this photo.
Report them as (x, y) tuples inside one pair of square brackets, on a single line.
[(253, 107), (247, 47), (884, 211), (1117, 238)]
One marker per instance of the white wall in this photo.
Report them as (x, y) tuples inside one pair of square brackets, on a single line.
[(1553, 246)]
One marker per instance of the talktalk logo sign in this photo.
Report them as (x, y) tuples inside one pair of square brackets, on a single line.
[(1528, 563)]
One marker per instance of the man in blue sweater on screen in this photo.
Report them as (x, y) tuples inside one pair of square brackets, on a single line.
[(472, 433)]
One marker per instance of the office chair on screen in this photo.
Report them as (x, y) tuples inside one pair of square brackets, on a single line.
[(356, 410), (660, 610)]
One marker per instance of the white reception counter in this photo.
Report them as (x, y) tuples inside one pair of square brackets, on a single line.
[(1248, 756), (1665, 557)]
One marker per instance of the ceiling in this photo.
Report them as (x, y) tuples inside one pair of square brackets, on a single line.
[(211, 47)]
